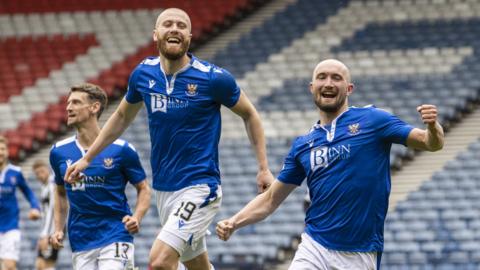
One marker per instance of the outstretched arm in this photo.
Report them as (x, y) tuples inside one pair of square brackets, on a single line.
[(253, 125), (256, 210), (430, 139), (115, 126)]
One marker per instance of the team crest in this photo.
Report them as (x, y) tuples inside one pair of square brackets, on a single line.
[(191, 89), (108, 163), (353, 129)]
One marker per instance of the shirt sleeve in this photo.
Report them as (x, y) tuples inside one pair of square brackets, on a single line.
[(56, 170), (292, 171), (132, 95), (224, 88), (131, 167), (392, 128), (29, 195)]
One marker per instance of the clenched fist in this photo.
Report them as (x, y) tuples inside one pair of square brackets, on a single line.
[(225, 229)]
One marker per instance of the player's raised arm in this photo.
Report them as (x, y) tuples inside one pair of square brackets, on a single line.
[(430, 139), (113, 128), (256, 210), (253, 125)]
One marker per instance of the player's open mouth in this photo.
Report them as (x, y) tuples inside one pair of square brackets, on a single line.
[(328, 95), (173, 40)]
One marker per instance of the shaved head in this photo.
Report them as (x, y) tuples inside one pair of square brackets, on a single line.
[(332, 64), (174, 12)]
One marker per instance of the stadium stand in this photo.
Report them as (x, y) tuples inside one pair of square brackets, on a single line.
[(401, 54)]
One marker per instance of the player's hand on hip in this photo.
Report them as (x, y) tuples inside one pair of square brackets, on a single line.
[(34, 214), (264, 180), (74, 171), (428, 113), (225, 229), (57, 240), (131, 224)]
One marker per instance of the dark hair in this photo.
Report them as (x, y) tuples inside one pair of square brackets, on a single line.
[(95, 94), (39, 163)]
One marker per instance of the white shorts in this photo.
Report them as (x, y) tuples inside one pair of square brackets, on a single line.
[(185, 216), (116, 256), (10, 245), (313, 256)]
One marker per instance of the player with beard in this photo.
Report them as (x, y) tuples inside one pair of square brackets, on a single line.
[(183, 96), (100, 223), (345, 159)]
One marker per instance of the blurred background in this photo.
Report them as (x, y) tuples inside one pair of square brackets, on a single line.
[(402, 53)]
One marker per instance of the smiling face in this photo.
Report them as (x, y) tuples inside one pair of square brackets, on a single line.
[(331, 86), (172, 33)]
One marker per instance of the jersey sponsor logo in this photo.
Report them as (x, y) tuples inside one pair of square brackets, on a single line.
[(151, 83), (158, 103), (162, 103), (108, 163), (191, 89), (322, 156), (79, 185), (354, 129), (69, 162), (6, 190), (88, 181)]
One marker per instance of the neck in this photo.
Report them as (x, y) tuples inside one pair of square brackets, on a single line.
[(3, 165), (172, 66), (87, 133), (327, 118)]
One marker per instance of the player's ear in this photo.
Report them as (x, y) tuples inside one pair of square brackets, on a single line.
[(154, 35), (95, 108), (350, 88), (311, 87)]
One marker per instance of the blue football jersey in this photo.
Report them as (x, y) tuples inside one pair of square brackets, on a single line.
[(98, 202), (347, 167), (11, 177), (184, 119)]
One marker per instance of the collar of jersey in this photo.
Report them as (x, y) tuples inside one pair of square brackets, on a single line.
[(333, 126), (171, 84), (79, 146)]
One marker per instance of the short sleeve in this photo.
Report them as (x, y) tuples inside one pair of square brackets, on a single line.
[(292, 171), (224, 88), (55, 167), (132, 95), (131, 166), (392, 128)]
